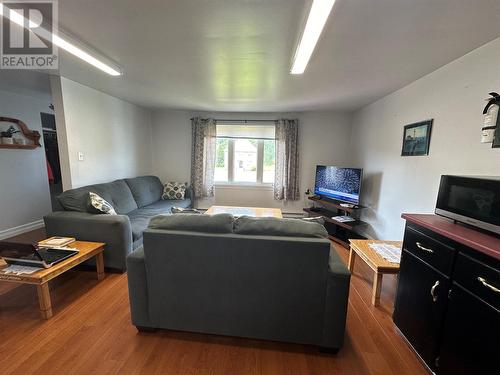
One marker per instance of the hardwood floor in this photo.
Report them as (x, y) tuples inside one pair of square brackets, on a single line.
[(91, 333)]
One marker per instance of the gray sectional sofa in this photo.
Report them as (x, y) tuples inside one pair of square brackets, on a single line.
[(135, 200), (274, 279)]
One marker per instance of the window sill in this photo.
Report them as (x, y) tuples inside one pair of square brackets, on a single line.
[(243, 186)]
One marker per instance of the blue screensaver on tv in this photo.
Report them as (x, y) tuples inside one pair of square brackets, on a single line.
[(342, 184)]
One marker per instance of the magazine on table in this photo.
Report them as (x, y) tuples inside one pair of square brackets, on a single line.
[(56, 242)]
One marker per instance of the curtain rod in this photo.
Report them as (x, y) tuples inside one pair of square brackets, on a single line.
[(233, 120)]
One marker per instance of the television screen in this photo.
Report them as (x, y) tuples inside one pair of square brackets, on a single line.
[(343, 184)]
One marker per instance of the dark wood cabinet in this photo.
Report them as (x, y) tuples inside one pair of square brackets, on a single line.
[(431, 250), (448, 296), (421, 300), (471, 337)]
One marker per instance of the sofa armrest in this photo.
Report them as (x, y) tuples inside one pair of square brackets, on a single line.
[(138, 288), (114, 230), (337, 296)]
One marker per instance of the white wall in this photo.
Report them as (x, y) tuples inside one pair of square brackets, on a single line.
[(113, 135), (453, 97), (24, 187), (323, 139)]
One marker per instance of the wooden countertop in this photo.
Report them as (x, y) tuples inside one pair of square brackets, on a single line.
[(485, 243)]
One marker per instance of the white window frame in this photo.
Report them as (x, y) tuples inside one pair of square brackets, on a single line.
[(230, 165)]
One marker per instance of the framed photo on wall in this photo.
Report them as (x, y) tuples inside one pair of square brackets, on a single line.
[(417, 138)]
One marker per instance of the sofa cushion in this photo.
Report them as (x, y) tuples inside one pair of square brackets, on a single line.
[(139, 225), (77, 199), (98, 205), (162, 207), (117, 193), (145, 189), (174, 190), (271, 226), (219, 223), (139, 219)]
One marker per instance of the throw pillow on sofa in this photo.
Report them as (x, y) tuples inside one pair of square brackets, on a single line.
[(174, 191), (99, 205)]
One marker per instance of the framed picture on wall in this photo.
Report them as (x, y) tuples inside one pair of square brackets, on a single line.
[(417, 138)]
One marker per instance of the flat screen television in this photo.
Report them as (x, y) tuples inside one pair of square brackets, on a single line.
[(338, 183)]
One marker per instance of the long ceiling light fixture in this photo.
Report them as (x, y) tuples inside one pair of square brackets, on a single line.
[(64, 41), (320, 10)]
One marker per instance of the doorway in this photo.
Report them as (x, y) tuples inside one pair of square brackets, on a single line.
[(52, 156)]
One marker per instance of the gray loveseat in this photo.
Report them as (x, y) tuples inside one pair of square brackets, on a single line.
[(135, 200), (273, 279)]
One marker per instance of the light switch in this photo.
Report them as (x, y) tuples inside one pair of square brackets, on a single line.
[(80, 156)]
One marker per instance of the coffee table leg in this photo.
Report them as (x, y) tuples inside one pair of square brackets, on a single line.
[(99, 261), (44, 300), (377, 288), (352, 258)]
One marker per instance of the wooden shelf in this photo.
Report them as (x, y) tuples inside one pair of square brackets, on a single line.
[(328, 217), (335, 205), (32, 136), (19, 147), (327, 208)]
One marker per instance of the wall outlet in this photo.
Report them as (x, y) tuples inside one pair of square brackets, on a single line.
[(80, 156)]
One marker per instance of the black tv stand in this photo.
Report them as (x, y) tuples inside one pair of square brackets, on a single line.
[(316, 209), (340, 232)]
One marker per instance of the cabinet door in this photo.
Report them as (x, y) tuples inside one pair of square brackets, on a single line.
[(471, 336), (421, 299)]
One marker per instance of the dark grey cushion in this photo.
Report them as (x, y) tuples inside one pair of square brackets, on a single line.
[(139, 219), (271, 226), (116, 193), (139, 222), (145, 189), (78, 199), (219, 223), (164, 207)]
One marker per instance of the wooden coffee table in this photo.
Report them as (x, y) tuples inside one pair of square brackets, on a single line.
[(41, 278), (377, 263), (247, 211)]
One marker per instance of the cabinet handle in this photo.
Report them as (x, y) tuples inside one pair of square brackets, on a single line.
[(433, 291), (419, 245), (483, 281)]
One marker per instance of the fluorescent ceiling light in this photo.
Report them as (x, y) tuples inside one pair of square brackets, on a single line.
[(78, 52), (320, 10), (63, 42)]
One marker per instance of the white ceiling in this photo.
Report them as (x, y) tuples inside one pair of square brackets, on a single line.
[(26, 82), (230, 55)]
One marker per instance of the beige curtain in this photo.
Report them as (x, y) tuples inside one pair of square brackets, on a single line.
[(203, 157), (286, 179)]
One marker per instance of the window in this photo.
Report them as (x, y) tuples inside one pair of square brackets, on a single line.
[(245, 154)]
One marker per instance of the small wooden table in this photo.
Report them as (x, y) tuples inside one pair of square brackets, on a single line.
[(41, 278), (377, 263), (248, 211)]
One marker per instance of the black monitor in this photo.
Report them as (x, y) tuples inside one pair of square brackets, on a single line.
[(338, 183)]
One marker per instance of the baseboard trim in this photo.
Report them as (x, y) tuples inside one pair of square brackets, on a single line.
[(11, 232)]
